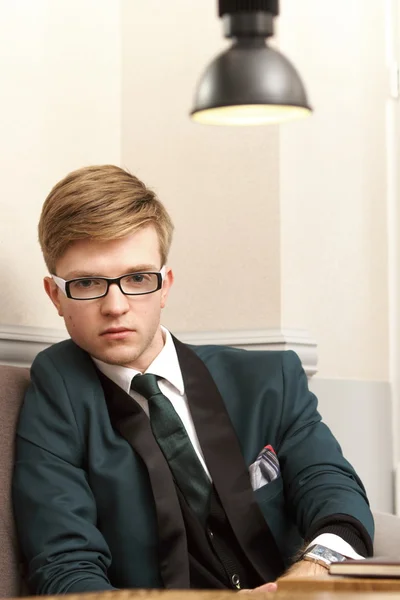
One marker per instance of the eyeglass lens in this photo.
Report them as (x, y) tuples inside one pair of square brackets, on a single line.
[(135, 283)]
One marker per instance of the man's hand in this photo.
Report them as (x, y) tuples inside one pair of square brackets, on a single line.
[(267, 587), (303, 568)]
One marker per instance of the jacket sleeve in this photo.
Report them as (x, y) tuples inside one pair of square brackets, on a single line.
[(54, 508), (323, 492)]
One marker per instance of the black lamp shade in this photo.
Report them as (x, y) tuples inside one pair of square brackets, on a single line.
[(249, 84)]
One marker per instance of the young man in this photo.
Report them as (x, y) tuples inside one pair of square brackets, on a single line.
[(143, 462)]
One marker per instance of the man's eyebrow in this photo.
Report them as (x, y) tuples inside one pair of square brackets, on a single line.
[(136, 269), (147, 267)]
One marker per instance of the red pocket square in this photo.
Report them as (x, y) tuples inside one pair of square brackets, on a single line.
[(265, 468)]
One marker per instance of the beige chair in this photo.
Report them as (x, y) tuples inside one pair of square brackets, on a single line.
[(387, 534), (13, 383)]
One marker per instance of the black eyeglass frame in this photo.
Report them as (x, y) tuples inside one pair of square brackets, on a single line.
[(64, 284)]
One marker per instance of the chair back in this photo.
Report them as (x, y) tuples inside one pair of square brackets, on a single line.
[(387, 534), (13, 383)]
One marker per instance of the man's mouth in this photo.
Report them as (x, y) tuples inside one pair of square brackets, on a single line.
[(116, 333)]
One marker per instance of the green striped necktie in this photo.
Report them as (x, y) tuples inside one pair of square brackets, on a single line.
[(175, 444)]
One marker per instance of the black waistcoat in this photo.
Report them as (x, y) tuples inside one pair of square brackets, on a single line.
[(216, 559)]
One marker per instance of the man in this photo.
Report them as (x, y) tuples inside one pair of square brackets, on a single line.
[(142, 462)]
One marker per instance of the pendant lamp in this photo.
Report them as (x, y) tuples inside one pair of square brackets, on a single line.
[(250, 83)]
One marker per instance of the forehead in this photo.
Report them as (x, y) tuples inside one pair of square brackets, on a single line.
[(111, 257)]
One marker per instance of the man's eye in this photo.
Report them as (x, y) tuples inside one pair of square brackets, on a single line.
[(86, 283), (137, 278)]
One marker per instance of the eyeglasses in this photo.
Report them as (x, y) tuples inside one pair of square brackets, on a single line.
[(132, 284)]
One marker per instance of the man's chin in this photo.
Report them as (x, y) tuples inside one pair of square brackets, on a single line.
[(116, 356), (137, 353)]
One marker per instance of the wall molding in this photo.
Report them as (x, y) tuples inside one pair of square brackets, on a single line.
[(19, 344)]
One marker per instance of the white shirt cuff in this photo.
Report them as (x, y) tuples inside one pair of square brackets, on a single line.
[(336, 543)]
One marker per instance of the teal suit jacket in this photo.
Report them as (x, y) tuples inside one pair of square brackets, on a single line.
[(95, 504)]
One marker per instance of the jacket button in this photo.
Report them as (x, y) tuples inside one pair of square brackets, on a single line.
[(236, 581), (211, 534)]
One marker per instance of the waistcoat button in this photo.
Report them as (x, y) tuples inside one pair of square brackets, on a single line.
[(236, 581)]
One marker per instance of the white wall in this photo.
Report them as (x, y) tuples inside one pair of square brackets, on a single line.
[(60, 83), (393, 192), (277, 226), (334, 216), (220, 184), (333, 193)]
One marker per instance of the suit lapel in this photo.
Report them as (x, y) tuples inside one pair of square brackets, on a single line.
[(133, 424), (226, 464)]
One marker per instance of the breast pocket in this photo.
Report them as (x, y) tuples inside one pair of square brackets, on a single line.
[(269, 491)]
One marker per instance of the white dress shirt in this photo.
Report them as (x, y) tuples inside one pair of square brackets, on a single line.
[(166, 366)]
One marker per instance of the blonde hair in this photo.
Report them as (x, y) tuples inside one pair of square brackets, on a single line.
[(99, 202)]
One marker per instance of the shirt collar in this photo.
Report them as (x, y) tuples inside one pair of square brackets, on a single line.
[(165, 365)]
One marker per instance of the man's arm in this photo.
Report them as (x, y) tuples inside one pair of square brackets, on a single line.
[(54, 507), (323, 492)]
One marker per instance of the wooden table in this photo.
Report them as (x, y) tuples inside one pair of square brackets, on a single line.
[(334, 584), (324, 588)]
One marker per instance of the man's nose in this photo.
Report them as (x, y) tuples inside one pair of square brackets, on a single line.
[(115, 302)]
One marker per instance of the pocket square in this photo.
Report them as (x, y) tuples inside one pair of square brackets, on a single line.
[(265, 468)]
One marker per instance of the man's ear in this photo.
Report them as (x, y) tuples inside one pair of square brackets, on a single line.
[(53, 293), (168, 281)]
